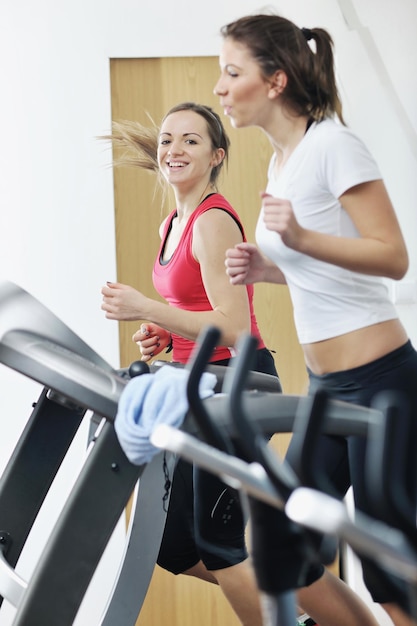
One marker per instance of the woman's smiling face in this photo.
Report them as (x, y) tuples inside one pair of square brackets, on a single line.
[(185, 151)]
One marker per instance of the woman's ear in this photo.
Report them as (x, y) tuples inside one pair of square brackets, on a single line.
[(218, 157), (277, 83)]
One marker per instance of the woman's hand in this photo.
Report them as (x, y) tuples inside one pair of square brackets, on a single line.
[(279, 217), (245, 264), (151, 339), (123, 303)]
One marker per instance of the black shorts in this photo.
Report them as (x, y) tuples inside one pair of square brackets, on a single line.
[(205, 520), (209, 528)]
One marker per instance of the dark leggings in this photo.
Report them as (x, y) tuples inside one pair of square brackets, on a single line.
[(205, 520), (342, 459)]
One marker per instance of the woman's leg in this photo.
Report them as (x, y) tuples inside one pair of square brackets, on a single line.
[(239, 587), (329, 601), (399, 618), (220, 538), (396, 372), (200, 571)]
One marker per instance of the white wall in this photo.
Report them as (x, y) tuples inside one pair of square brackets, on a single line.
[(56, 197)]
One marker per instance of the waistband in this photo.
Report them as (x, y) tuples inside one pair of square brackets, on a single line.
[(388, 361)]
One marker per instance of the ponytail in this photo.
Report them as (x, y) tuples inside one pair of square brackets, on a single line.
[(139, 144), (325, 99)]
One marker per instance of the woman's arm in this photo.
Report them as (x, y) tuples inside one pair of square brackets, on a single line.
[(380, 250), (214, 232)]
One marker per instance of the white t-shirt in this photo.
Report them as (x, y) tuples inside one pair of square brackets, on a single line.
[(328, 300)]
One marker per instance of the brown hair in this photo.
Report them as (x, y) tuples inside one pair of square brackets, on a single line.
[(278, 44)]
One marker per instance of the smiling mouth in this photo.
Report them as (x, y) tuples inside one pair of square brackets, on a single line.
[(176, 164)]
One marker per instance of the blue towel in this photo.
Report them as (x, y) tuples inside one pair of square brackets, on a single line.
[(152, 399)]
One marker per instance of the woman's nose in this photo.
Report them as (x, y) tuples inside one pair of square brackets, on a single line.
[(218, 90), (174, 149)]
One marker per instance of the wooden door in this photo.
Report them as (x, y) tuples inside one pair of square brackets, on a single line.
[(143, 87)]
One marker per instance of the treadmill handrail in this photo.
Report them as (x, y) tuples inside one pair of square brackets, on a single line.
[(36, 343)]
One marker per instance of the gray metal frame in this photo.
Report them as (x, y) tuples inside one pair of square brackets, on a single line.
[(34, 342), (37, 344)]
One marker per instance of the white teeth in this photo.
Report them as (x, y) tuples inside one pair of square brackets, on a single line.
[(175, 164)]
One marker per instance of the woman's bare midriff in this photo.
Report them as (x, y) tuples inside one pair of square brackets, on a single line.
[(354, 349)]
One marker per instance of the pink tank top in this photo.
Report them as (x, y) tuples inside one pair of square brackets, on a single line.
[(179, 279)]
